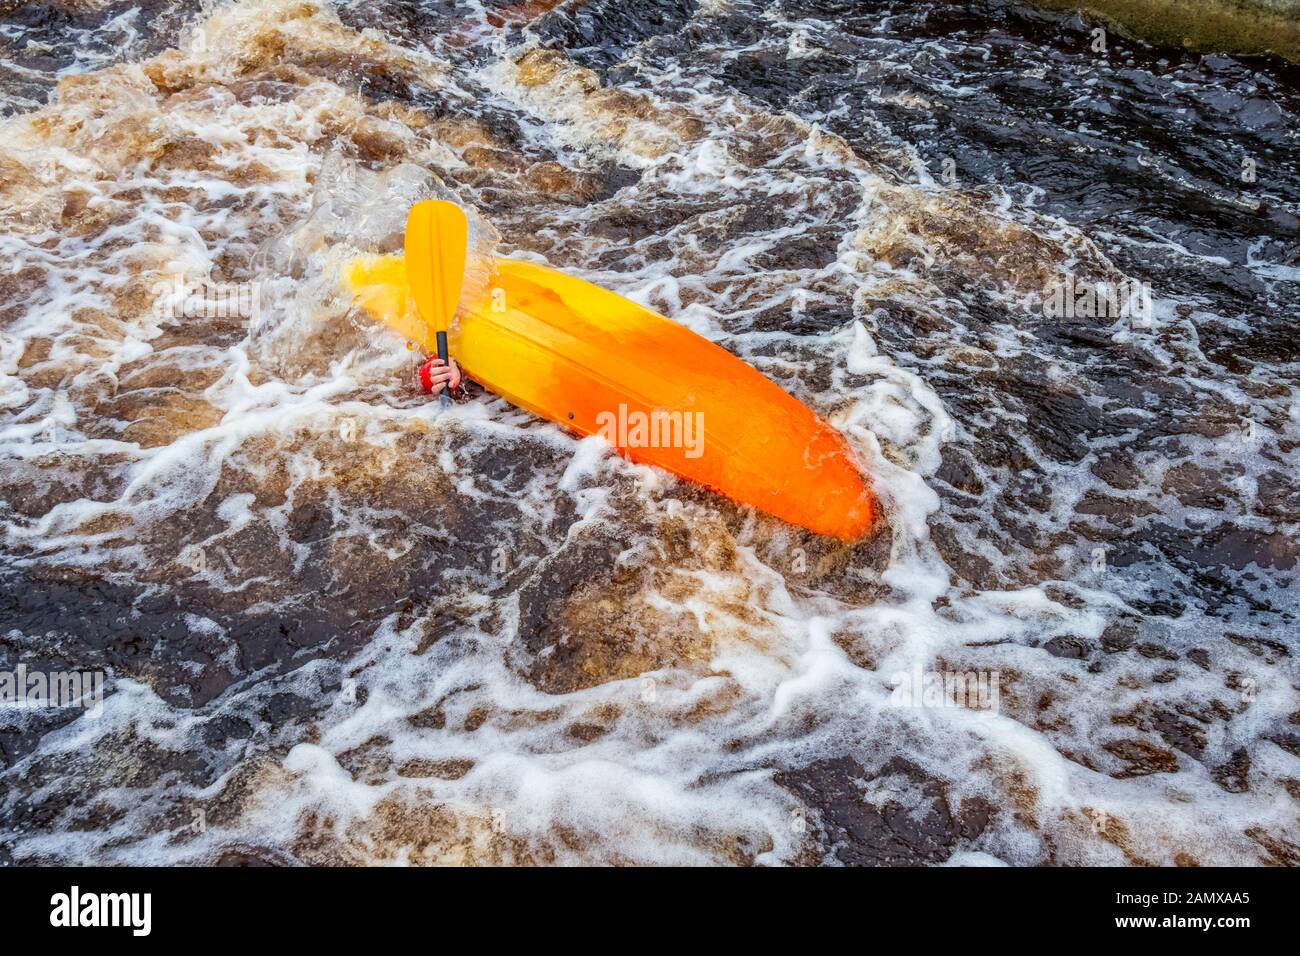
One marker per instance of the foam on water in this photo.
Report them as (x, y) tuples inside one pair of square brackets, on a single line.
[(341, 625)]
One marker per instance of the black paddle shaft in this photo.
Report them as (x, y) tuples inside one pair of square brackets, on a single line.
[(445, 397)]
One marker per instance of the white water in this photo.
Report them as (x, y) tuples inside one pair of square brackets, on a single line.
[(601, 665)]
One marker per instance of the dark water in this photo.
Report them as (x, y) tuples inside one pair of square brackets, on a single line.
[(562, 657)]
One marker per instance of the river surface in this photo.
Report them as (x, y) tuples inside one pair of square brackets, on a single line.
[(339, 626)]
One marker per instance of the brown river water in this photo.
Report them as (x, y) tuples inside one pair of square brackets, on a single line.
[(337, 625)]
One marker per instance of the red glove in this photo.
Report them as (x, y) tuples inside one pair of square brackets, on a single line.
[(434, 376)]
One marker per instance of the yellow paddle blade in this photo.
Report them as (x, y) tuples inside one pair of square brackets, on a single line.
[(437, 236)]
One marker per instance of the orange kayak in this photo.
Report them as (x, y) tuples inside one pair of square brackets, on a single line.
[(600, 364)]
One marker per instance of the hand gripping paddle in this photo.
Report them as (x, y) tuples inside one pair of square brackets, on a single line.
[(437, 238)]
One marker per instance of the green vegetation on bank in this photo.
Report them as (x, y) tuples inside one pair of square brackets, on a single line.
[(1227, 26)]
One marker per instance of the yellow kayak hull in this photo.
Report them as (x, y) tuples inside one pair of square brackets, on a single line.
[(600, 364)]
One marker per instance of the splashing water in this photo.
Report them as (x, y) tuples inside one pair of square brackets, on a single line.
[(339, 626)]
